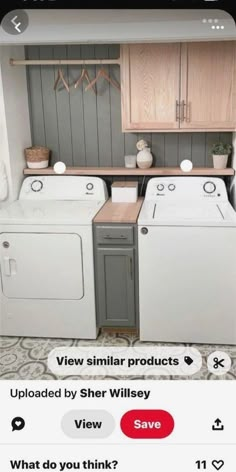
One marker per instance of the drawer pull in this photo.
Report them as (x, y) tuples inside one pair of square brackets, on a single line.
[(115, 237), (122, 235)]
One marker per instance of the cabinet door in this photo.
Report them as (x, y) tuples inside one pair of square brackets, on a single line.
[(208, 85), (150, 86), (116, 286)]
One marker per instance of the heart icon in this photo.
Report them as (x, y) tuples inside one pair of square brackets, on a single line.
[(218, 464)]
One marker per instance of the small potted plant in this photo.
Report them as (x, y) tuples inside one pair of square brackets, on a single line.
[(220, 154), (37, 157)]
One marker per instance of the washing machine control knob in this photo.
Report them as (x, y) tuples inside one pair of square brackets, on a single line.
[(171, 187), (37, 185), (160, 187), (89, 186), (144, 230), (209, 187)]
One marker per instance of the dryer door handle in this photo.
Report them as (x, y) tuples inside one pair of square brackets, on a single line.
[(7, 266)]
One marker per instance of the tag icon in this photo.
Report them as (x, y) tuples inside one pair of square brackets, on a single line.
[(188, 360)]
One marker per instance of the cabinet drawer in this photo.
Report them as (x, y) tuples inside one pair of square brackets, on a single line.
[(114, 235)]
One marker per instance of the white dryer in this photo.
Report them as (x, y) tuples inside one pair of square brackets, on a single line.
[(46, 257), (187, 262)]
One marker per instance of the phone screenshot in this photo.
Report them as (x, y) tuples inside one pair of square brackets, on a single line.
[(118, 237)]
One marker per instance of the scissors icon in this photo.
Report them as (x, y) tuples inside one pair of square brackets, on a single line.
[(218, 363)]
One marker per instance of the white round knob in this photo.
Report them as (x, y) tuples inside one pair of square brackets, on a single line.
[(171, 187), (209, 187), (186, 165), (59, 167), (160, 187), (37, 185)]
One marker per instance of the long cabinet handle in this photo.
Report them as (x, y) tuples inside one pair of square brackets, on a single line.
[(130, 267), (183, 110), (188, 112), (177, 110)]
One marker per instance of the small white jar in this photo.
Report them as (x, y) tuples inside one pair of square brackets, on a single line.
[(130, 161)]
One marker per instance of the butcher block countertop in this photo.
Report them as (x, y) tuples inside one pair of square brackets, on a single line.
[(119, 212)]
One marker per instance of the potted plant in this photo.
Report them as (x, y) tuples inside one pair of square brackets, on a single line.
[(37, 157), (220, 154)]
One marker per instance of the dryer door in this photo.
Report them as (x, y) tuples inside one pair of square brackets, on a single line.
[(42, 265)]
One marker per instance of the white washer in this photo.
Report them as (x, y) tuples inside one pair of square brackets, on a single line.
[(46, 257), (187, 262)]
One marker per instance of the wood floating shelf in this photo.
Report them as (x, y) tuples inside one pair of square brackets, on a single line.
[(134, 172)]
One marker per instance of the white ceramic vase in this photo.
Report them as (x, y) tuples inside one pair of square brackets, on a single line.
[(220, 161), (144, 158)]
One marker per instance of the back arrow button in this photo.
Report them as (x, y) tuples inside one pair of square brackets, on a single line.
[(15, 22)]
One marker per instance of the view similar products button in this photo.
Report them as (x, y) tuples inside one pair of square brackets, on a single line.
[(147, 424)]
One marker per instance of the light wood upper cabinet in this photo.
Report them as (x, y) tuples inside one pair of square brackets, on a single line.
[(208, 85), (150, 86), (189, 86)]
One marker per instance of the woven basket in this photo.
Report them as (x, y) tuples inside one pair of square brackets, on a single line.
[(37, 156)]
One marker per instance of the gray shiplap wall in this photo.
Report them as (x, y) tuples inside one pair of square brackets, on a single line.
[(84, 129)]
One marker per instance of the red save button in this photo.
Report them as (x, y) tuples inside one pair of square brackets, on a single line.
[(147, 424)]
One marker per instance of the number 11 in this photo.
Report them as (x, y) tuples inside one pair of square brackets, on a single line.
[(201, 465)]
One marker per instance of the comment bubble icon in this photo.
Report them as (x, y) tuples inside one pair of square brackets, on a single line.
[(18, 423)]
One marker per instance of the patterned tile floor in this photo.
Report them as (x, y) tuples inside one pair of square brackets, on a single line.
[(26, 358)]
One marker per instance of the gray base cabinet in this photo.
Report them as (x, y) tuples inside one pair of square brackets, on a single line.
[(116, 275)]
